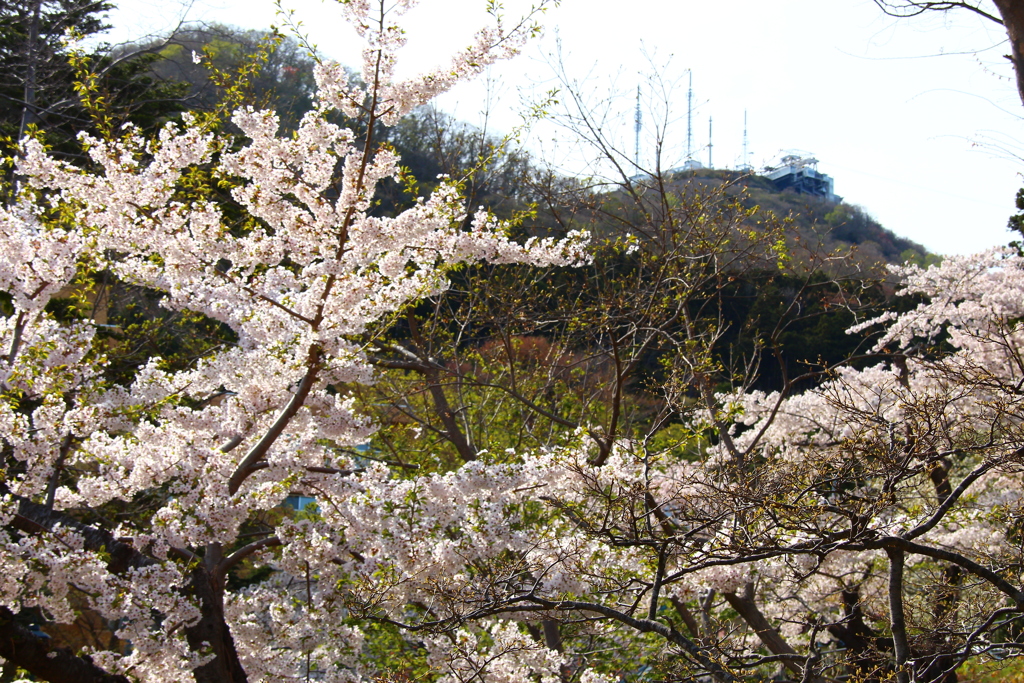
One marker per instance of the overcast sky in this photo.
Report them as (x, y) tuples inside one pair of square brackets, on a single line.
[(916, 120)]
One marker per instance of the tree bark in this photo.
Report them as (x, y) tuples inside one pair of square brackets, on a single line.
[(33, 653), (211, 633), (28, 111), (864, 644), (897, 618), (33, 518), (687, 616), (751, 613), (1012, 12)]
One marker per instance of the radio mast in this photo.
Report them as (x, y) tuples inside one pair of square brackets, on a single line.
[(746, 165), (636, 126), (689, 119), (710, 145)]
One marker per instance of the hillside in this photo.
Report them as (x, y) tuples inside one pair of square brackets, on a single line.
[(835, 224), (432, 143)]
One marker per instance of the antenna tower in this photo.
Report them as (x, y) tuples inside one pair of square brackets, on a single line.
[(636, 125), (710, 145), (746, 165), (689, 119)]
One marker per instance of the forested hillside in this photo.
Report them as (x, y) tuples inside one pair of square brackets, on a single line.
[(836, 223)]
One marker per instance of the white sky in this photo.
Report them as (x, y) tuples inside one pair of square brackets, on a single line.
[(916, 120)]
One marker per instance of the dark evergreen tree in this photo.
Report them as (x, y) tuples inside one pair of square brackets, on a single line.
[(36, 80), (44, 87)]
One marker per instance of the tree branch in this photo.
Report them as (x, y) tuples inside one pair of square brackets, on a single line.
[(895, 542), (913, 8), (642, 625), (36, 655), (259, 451), (950, 500), (897, 620), (234, 558)]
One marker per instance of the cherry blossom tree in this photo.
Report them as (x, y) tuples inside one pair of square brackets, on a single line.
[(866, 527), (299, 284)]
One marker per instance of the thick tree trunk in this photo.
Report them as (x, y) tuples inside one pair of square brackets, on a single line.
[(552, 635), (1012, 12), (211, 634), (864, 645), (775, 643), (35, 654), (28, 111)]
